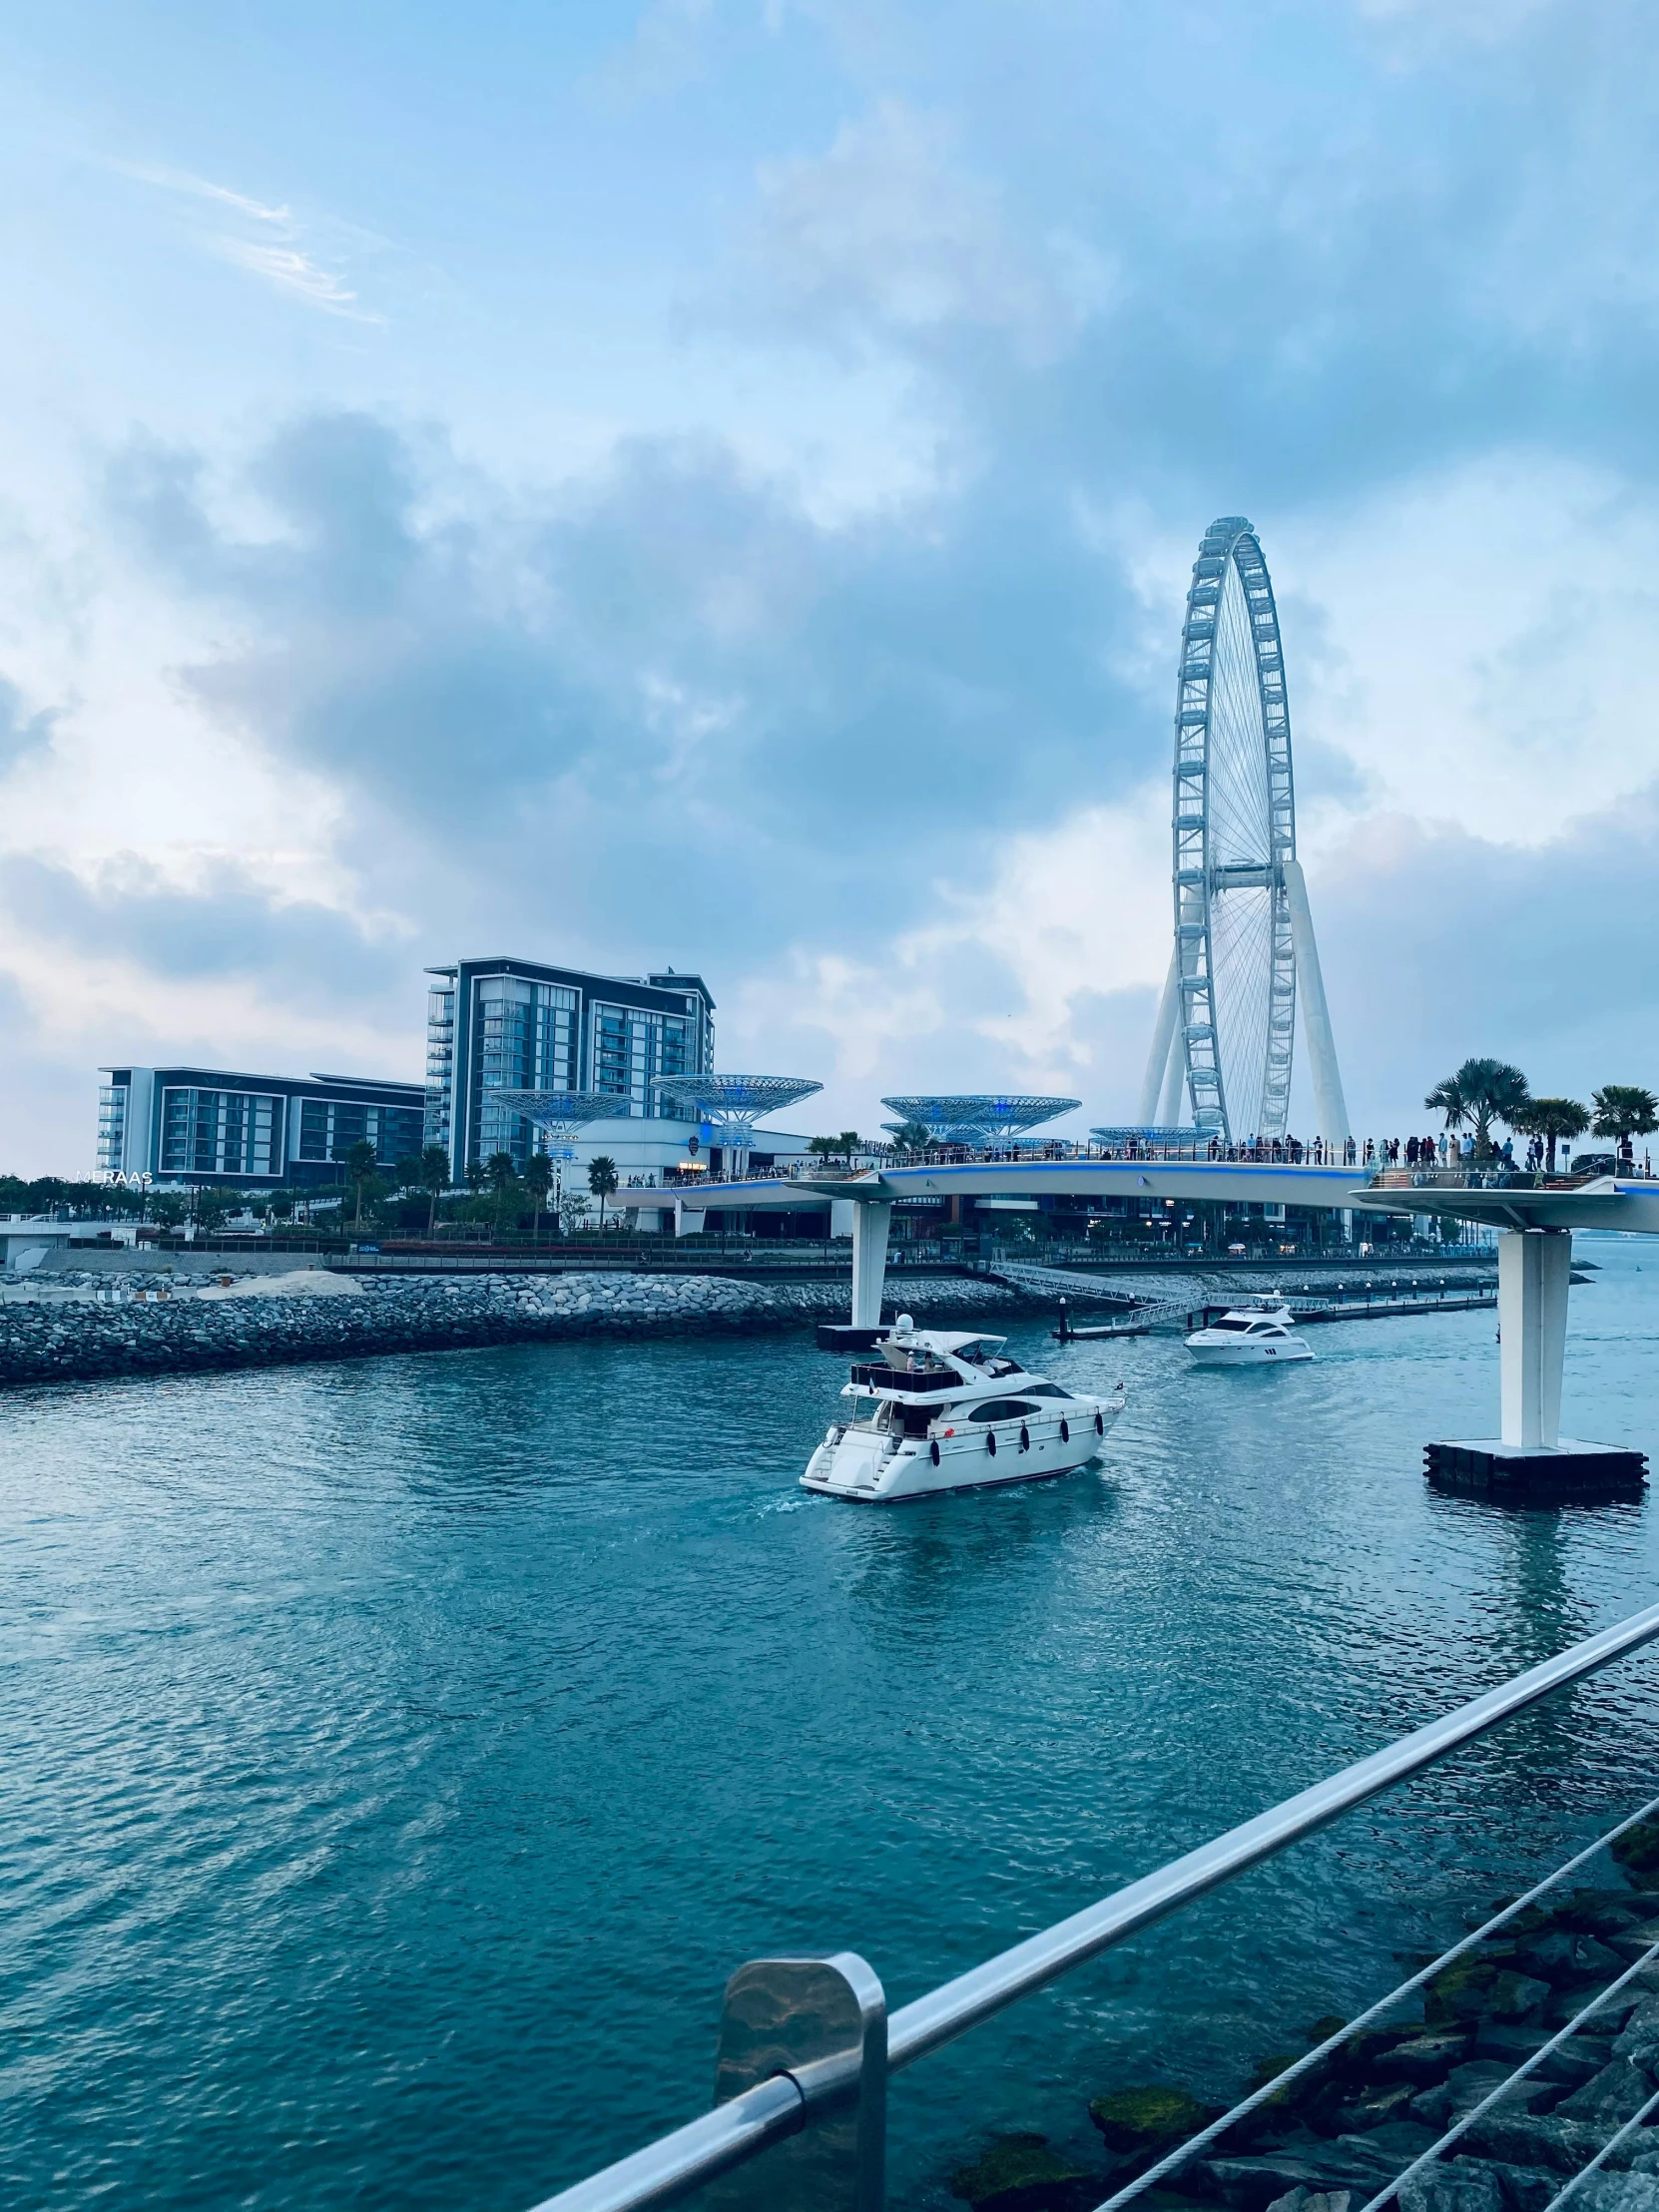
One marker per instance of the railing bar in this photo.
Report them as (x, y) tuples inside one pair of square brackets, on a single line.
[(946, 2013), (1607, 2152), (692, 2154), (1495, 2096), (1293, 2072)]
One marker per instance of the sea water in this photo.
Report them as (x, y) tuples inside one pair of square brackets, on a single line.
[(399, 1756)]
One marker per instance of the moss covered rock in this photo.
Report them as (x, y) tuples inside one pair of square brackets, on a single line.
[(1637, 1852), (1146, 2122), (1481, 1989), (1021, 2173)]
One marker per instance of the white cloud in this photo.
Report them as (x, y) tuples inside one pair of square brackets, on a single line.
[(289, 271), (282, 261), (884, 238)]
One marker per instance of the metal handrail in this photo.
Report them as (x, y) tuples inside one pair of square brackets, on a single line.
[(731, 2132)]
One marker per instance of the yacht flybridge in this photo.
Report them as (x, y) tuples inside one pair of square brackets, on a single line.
[(934, 1411)]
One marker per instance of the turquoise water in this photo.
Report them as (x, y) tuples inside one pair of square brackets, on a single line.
[(398, 1757)]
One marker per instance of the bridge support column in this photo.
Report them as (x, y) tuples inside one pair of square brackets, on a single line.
[(1534, 1268), (1529, 1458), (871, 1220)]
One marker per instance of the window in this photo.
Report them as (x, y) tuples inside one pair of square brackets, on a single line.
[(112, 1127), (1045, 1389), (1239, 1324), (1002, 1408)]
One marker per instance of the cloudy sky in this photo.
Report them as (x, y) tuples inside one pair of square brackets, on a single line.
[(716, 485)]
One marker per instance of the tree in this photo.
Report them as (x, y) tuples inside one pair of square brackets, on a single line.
[(501, 1175), (1624, 1110), (912, 1136), (602, 1181), (1481, 1092), (1554, 1119), (434, 1178), (538, 1181), (359, 1162), (573, 1212)]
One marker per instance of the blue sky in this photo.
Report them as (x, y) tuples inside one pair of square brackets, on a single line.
[(716, 485)]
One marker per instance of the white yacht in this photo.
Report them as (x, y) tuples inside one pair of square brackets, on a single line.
[(1250, 1336), (934, 1411)]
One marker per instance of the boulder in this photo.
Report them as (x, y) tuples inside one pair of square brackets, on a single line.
[(1468, 2085), (1605, 2192), (1529, 2139), (1375, 2106), (1313, 2200), (1463, 2186), (1479, 1989), (1143, 2123), (1637, 1852), (1020, 2173), (1427, 2057), (1563, 1955), (1526, 2188), (1617, 2094)]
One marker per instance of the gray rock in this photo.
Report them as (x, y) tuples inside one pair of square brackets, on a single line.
[(1563, 1957), (1616, 2093), (1463, 2186), (1532, 2139), (1466, 2086), (1526, 2188), (1608, 2192), (1427, 2057), (1254, 2183), (1313, 2200), (1502, 2039)]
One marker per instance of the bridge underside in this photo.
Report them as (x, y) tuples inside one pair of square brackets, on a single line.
[(1534, 1253)]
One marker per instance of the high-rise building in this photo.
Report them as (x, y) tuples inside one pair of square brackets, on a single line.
[(214, 1125), (508, 1024)]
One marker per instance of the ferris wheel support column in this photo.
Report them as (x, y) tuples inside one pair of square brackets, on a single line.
[(1163, 1041), (1329, 1103), (1175, 1082)]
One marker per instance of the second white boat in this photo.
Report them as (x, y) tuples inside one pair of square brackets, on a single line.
[(1261, 1334)]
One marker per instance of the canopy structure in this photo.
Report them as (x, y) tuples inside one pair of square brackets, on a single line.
[(978, 1120), (561, 1113), (732, 1104)]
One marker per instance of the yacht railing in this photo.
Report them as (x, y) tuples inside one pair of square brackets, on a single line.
[(814, 2041)]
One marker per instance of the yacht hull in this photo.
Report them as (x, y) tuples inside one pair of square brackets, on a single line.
[(1235, 1354)]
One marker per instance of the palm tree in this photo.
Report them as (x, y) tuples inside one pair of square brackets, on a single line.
[(434, 1179), (912, 1136), (538, 1181), (359, 1166), (501, 1175), (1554, 1119), (1624, 1110), (1481, 1092), (602, 1181)]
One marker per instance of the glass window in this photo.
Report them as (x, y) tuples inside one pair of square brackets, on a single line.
[(1002, 1408)]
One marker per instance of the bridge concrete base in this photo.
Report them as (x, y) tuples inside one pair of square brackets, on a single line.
[(1485, 1466)]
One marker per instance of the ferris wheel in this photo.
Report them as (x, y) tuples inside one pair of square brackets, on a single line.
[(1244, 936)]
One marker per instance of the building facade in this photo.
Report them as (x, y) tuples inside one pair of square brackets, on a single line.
[(214, 1125), (508, 1024)]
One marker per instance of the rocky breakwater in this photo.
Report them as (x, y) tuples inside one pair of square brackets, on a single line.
[(79, 1330), (1344, 2130)]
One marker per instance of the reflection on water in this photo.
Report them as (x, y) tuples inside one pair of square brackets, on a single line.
[(402, 1755)]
